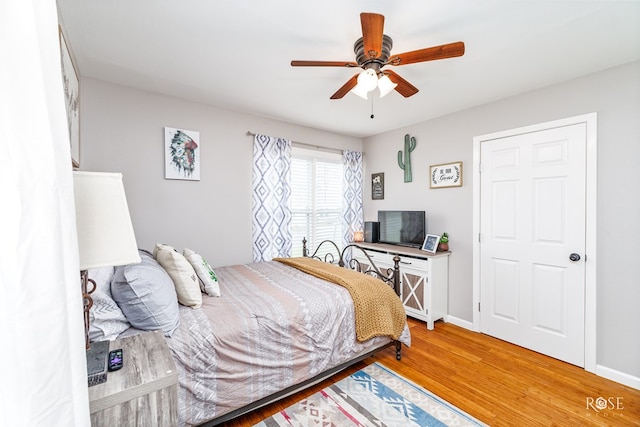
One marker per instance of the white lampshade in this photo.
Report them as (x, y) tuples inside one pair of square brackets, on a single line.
[(385, 85), (105, 231)]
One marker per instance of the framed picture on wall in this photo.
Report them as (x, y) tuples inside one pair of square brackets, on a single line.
[(446, 175), (181, 154), (377, 186), (71, 85)]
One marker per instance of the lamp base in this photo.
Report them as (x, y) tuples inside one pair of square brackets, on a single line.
[(87, 303)]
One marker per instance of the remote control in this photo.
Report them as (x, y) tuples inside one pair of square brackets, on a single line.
[(115, 360)]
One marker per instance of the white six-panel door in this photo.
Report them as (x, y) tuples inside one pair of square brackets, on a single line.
[(532, 231)]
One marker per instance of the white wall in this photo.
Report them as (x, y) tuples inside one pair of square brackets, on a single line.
[(447, 209), (615, 95), (122, 131)]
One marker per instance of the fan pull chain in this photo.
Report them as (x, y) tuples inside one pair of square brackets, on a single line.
[(372, 106)]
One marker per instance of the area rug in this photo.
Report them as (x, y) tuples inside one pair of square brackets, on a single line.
[(373, 396)]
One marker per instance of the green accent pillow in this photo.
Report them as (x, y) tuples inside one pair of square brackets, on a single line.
[(208, 280)]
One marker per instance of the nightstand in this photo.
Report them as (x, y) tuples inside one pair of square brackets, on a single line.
[(144, 392)]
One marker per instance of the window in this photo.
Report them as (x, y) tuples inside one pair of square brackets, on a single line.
[(316, 198)]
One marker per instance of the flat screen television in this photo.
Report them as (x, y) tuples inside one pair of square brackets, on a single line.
[(405, 228)]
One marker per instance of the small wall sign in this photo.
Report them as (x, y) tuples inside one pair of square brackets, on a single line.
[(377, 186), (446, 175)]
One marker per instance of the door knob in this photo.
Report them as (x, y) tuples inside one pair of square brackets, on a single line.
[(574, 257)]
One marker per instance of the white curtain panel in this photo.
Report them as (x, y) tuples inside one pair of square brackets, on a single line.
[(42, 361), (352, 212), (271, 198)]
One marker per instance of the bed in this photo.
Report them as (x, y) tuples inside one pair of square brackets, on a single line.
[(272, 329)]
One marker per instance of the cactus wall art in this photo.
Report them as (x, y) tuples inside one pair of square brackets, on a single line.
[(409, 146)]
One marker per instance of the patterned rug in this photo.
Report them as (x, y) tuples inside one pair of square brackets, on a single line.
[(374, 396)]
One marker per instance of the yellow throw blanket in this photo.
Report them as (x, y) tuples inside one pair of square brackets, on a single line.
[(378, 310)]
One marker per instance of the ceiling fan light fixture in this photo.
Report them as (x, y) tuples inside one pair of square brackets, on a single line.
[(385, 85), (360, 91), (368, 80)]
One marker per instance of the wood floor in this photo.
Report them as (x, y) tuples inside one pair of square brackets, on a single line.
[(499, 383)]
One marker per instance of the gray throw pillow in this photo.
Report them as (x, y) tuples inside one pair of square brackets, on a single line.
[(106, 319), (146, 295)]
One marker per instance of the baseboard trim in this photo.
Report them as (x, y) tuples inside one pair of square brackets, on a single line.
[(460, 322), (617, 376)]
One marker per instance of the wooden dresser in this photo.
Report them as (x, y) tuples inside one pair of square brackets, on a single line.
[(144, 392)]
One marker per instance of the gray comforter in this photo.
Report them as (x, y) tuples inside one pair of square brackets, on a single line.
[(272, 327)]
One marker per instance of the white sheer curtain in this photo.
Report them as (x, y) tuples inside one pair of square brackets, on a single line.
[(352, 212), (271, 198), (42, 361)]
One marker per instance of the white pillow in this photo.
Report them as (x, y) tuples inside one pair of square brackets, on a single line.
[(208, 280), (182, 273), (106, 320)]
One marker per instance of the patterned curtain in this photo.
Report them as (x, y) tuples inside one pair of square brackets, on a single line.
[(352, 215), (271, 198)]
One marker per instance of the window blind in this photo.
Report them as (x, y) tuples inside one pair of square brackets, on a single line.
[(316, 198)]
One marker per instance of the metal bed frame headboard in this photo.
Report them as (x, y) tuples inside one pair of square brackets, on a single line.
[(344, 258)]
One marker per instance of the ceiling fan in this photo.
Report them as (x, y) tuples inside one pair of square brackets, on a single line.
[(373, 52)]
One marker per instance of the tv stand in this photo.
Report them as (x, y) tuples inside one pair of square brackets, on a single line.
[(402, 245), (424, 278)]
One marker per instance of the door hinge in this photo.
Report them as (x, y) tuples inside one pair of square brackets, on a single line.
[(478, 306)]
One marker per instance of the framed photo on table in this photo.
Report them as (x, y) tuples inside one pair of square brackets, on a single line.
[(431, 243)]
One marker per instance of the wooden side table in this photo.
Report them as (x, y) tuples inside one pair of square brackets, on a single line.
[(144, 392)]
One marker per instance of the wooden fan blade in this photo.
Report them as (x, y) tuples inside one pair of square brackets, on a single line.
[(404, 88), (350, 84), (372, 30), (323, 64), (450, 50)]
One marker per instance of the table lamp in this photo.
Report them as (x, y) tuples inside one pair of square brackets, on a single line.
[(105, 231)]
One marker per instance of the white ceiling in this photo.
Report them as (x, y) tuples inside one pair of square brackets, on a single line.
[(236, 54)]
